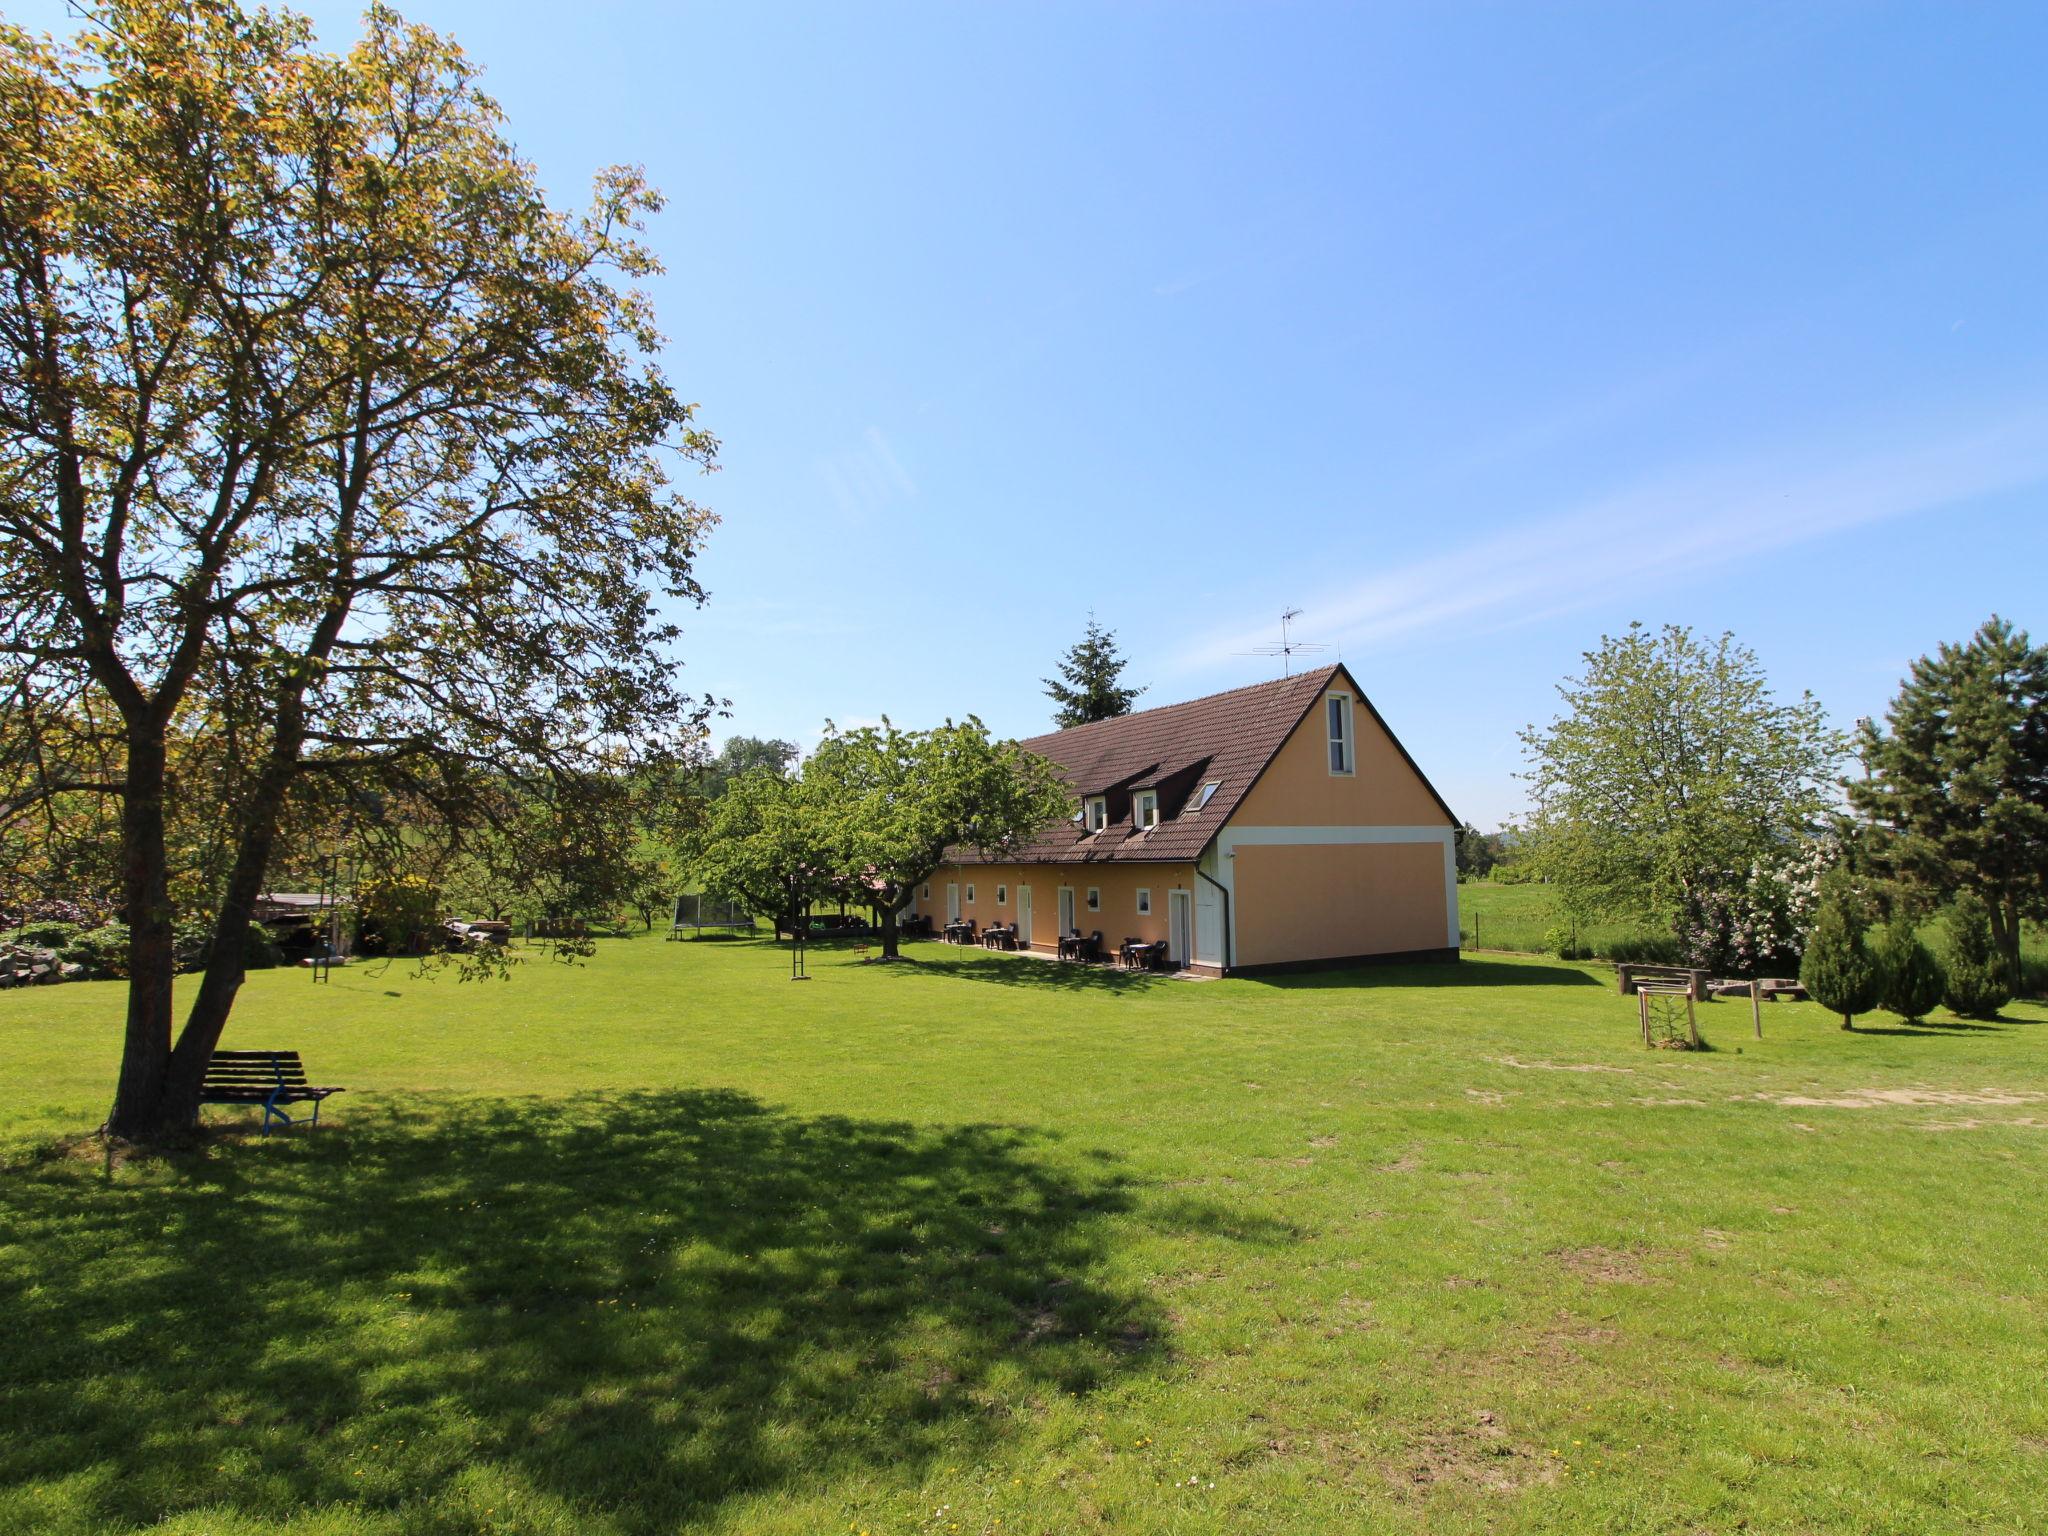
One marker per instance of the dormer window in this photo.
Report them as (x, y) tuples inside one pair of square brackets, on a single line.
[(1343, 757), (1145, 809), (1201, 797), (1097, 812)]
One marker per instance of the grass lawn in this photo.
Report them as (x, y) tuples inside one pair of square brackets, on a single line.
[(1519, 917), (986, 1245)]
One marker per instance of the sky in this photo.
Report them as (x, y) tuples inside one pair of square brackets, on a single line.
[(1472, 331)]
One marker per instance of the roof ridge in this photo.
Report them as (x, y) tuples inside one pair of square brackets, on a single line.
[(1156, 709)]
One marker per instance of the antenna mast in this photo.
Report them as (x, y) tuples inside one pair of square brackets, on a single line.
[(1288, 645)]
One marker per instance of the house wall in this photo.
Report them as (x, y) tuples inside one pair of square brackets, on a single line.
[(1119, 883), (1298, 790), (1322, 902), (1324, 866)]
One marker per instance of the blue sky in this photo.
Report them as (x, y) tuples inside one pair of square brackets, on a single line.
[(1473, 331)]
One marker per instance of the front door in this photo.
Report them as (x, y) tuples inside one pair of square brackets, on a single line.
[(1180, 940), (1024, 915), (952, 901), (1066, 910)]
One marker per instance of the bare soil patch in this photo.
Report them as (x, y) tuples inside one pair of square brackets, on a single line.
[(1878, 1098), (1604, 1266)]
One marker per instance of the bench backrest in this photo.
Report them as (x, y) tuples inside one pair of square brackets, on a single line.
[(255, 1069)]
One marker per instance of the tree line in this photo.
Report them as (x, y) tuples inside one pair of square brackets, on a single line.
[(1675, 789)]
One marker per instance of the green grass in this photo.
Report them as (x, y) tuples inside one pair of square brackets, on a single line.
[(1519, 918), (980, 1244)]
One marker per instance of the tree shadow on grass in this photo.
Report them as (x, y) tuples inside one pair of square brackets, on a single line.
[(1035, 972), (1936, 1029), (643, 1304), (1461, 974)]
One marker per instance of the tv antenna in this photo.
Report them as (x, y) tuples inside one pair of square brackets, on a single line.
[(1288, 647)]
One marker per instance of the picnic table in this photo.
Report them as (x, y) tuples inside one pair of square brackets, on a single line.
[(996, 936), (1142, 954), (1074, 946), (960, 931)]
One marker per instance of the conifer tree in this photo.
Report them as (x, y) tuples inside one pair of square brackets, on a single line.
[(1913, 982), (1977, 985), (1838, 968), (1091, 690), (1956, 785)]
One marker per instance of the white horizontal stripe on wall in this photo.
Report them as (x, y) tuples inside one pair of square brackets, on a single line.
[(1244, 836)]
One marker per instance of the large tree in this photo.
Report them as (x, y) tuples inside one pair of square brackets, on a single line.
[(767, 842), (315, 417), (1956, 784), (1672, 773), (897, 800), (743, 754), (1089, 686)]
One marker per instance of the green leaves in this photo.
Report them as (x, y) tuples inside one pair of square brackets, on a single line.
[(1091, 690), (1956, 784), (1674, 769)]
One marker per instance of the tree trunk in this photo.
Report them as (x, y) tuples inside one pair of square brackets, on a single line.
[(890, 933), (227, 959), (146, 1045), (2005, 936)]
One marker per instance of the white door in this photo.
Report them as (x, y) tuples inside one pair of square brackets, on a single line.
[(1179, 928), (1024, 915), (1066, 910), (952, 902)]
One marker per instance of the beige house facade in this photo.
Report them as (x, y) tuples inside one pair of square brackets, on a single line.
[(1276, 827)]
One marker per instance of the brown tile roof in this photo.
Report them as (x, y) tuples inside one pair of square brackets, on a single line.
[(1227, 738)]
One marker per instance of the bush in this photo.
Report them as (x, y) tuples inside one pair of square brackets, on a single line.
[(1562, 940), (189, 944), (397, 915), (44, 935), (1913, 982), (1977, 986), (1838, 968), (103, 951), (260, 951), (1646, 949)]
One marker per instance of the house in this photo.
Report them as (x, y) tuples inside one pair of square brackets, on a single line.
[(1279, 826)]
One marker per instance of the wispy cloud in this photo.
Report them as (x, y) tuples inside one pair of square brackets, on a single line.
[(866, 479), (1707, 520)]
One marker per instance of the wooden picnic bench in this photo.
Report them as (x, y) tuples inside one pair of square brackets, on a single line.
[(268, 1079), (1631, 976)]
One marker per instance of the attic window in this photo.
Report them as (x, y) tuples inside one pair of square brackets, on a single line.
[(1145, 809), (1202, 797), (1097, 812), (1338, 707)]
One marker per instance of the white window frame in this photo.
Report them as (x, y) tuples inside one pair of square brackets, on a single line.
[(1145, 801), (1094, 898), (1144, 901), (1002, 895), (1202, 797), (1340, 723), (970, 895), (927, 896), (1095, 813)]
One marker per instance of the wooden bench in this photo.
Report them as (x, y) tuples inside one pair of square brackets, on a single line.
[(269, 1079), (1632, 976)]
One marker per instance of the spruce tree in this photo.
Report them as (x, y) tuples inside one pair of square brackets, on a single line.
[(1977, 985), (1956, 782), (1913, 982), (1091, 690), (1838, 969)]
